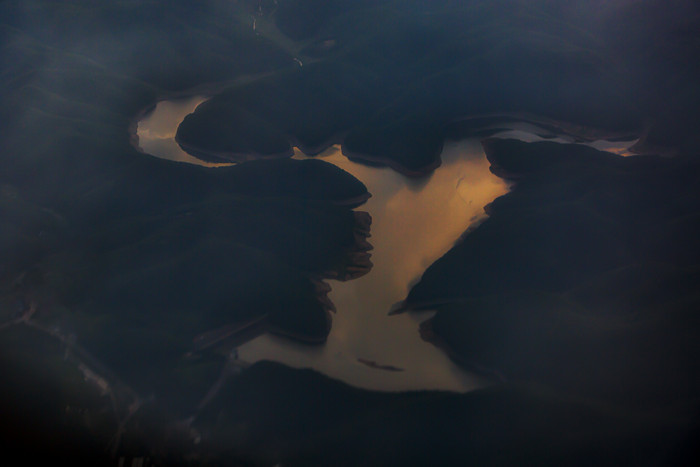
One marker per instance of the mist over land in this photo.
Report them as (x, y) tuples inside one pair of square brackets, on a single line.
[(128, 281)]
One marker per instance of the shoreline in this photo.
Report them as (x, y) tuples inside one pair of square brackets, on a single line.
[(584, 133), (376, 161), (206, 90), (453, 130), (220, 157), (427, 334), (357, 262)]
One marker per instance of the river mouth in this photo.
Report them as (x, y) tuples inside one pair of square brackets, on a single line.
[(415, 222)]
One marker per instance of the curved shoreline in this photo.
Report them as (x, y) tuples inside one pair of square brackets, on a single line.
[(451, 131), (584, 133), (422, 171), (221, 157), (354, 262), (357, 261), (352, 265), (428, 335), (207, 90)]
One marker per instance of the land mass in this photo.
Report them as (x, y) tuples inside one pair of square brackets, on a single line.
[(577, 296)]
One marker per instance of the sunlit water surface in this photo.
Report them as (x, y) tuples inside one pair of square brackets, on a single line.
[(414, 222), (156, 130)]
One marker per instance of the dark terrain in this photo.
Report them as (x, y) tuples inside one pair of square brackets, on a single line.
[(120, 273)]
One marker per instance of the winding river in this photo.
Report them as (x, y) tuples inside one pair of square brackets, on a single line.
[(414, 223)]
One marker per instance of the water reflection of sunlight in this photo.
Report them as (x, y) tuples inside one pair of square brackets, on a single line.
[(156, 131), (411, 228), (414, 223)]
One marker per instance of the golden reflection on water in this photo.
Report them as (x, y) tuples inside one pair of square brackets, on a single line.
[(156, 130), (413, 225)]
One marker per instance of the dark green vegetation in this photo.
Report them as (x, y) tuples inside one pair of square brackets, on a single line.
[(580, 290)]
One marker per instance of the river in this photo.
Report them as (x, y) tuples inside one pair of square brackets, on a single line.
[(414, 223)]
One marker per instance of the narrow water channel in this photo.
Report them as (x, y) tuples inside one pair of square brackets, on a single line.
[(414, 223), (156, 130)]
